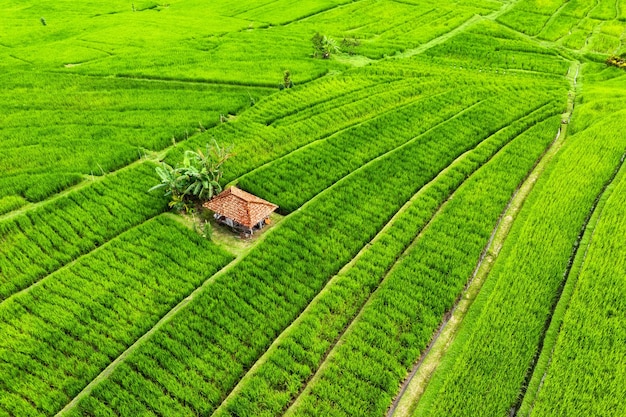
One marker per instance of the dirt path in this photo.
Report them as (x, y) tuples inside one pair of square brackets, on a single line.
[(417, 381), (338, 341)]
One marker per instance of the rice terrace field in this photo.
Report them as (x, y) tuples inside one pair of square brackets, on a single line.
[(451, 231)]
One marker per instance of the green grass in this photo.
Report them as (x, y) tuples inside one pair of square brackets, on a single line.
[(489, 361), (578, 378), (362, 374), (231, 310), (10, 203), (85, 315), (39, 241), (269, 389)]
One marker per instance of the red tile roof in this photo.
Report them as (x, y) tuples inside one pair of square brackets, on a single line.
[(244, 208)]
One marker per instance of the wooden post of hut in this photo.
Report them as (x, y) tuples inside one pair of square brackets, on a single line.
[(241, 210)]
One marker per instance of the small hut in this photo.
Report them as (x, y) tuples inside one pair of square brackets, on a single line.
[(241, 210)]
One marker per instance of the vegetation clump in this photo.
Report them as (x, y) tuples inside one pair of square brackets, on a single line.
[(287, 83), (324, 46), (349, 45), (617, 61), (196, 180)]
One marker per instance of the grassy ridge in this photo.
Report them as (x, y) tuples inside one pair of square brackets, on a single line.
[(488, 362), (62, 333)]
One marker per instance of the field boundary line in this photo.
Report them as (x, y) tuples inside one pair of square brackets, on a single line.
[(417, 381), (416, 239), (560, 307), (418, 378), (552, 18)]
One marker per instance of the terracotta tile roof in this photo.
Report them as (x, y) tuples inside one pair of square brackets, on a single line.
[(244, 208)]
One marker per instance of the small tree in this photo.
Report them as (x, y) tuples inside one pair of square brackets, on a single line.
[(617, 61), (197, 179), (349, 44), (287, 83), (318, 45)]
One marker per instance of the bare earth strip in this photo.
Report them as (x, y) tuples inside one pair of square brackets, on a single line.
[(418, 379)]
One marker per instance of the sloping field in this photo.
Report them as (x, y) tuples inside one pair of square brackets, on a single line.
[(450, 184)]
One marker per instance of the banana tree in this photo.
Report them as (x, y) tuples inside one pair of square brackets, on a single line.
[(329, 46), (197, 179)]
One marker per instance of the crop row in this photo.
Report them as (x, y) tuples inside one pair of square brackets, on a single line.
[(41, 240), (494, 352), (60, 334), (605, 10), (10, 203), (577, 8), (559, 28), (38, 187), (586, 367), (274, 383), (293, 180), (224, 330), (362, 374)]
